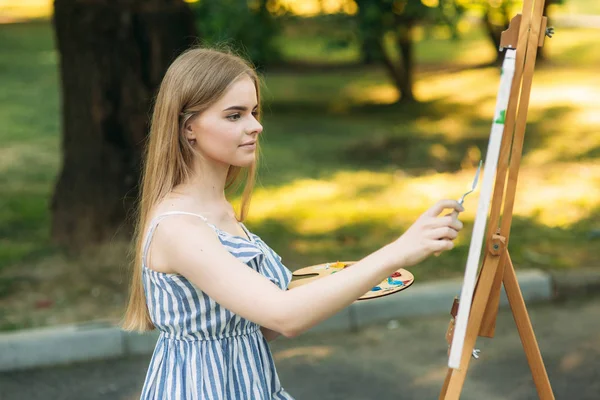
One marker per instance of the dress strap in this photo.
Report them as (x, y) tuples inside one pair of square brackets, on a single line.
[(154, 225)]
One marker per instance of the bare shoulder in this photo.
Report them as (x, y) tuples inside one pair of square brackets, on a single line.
[(172, 203), (177, 228)]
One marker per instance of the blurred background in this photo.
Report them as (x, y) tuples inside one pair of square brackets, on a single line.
[(373, 110)]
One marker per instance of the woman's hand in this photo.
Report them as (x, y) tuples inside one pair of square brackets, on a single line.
[(429, 234)]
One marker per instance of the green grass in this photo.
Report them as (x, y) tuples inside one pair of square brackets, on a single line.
[(345, 170), (29, 135)]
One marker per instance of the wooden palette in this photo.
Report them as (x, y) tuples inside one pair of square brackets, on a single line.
[(398, 281)]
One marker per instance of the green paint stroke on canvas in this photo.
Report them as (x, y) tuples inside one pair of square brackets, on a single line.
[(501, 118)]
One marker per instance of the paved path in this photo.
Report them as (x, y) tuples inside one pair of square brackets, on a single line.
[(407, 362)]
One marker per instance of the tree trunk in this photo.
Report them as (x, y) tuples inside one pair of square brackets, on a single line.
[(367, 53), (405, 46), (401, 72), (392, 69), (112, 58), (368, 36), (494, 32)]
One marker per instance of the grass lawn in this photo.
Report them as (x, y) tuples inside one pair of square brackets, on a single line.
[(344, 170)]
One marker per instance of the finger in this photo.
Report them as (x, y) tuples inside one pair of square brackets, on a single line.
[(442, 205), (456, 224), (440, 222), (453, 214), (443, 233), (440, 246)]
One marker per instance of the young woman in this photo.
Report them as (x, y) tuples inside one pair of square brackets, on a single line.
[(216, 291)]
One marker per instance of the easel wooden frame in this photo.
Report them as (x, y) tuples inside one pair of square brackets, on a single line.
[(497, 267)]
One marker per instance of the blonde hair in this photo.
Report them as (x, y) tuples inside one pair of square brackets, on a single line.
[(193, 82)]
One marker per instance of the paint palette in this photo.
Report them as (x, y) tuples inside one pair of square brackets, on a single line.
[(398, 281)]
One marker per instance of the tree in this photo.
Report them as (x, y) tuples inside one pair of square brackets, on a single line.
[(386, 29), (112, 55), (246, 25)]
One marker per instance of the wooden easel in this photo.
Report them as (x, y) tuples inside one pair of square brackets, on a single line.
[(526, 33)]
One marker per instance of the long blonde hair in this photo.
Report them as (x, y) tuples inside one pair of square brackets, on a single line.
[(193, 82)]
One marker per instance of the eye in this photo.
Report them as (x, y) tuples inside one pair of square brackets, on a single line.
[(234, 117), (255, 113)]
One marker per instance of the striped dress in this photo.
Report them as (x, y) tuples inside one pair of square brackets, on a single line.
[(205, 351)]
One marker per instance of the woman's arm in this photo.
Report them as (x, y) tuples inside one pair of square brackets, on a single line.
[(193, 250)]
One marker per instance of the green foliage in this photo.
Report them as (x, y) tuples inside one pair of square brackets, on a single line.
[(380, 16), (386, 28), (247, 26)]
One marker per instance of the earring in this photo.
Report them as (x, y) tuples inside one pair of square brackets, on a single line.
[(192, 142)]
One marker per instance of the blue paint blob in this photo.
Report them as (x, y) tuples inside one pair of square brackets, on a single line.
[(394, 282)]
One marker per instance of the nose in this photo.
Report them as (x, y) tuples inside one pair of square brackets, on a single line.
[(255, 127)]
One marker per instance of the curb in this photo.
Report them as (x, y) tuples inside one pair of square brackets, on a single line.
[(98, 341)]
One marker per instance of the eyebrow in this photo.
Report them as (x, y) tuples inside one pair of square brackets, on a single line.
[(239, 108)]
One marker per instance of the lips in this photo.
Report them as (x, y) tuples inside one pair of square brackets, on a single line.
[(248, 144)]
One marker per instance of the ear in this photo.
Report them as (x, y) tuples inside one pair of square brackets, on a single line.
[(188, 130)]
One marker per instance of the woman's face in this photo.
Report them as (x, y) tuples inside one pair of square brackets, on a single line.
[(228, 130)]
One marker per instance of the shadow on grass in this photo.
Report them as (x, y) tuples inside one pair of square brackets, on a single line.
[(413, 153), (315, 142)]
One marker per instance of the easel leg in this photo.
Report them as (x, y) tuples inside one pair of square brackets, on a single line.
[(488, 325), (530, 345), (455, 378)]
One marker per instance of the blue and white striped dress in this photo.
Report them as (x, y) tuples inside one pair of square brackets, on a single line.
[(205, 351)]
